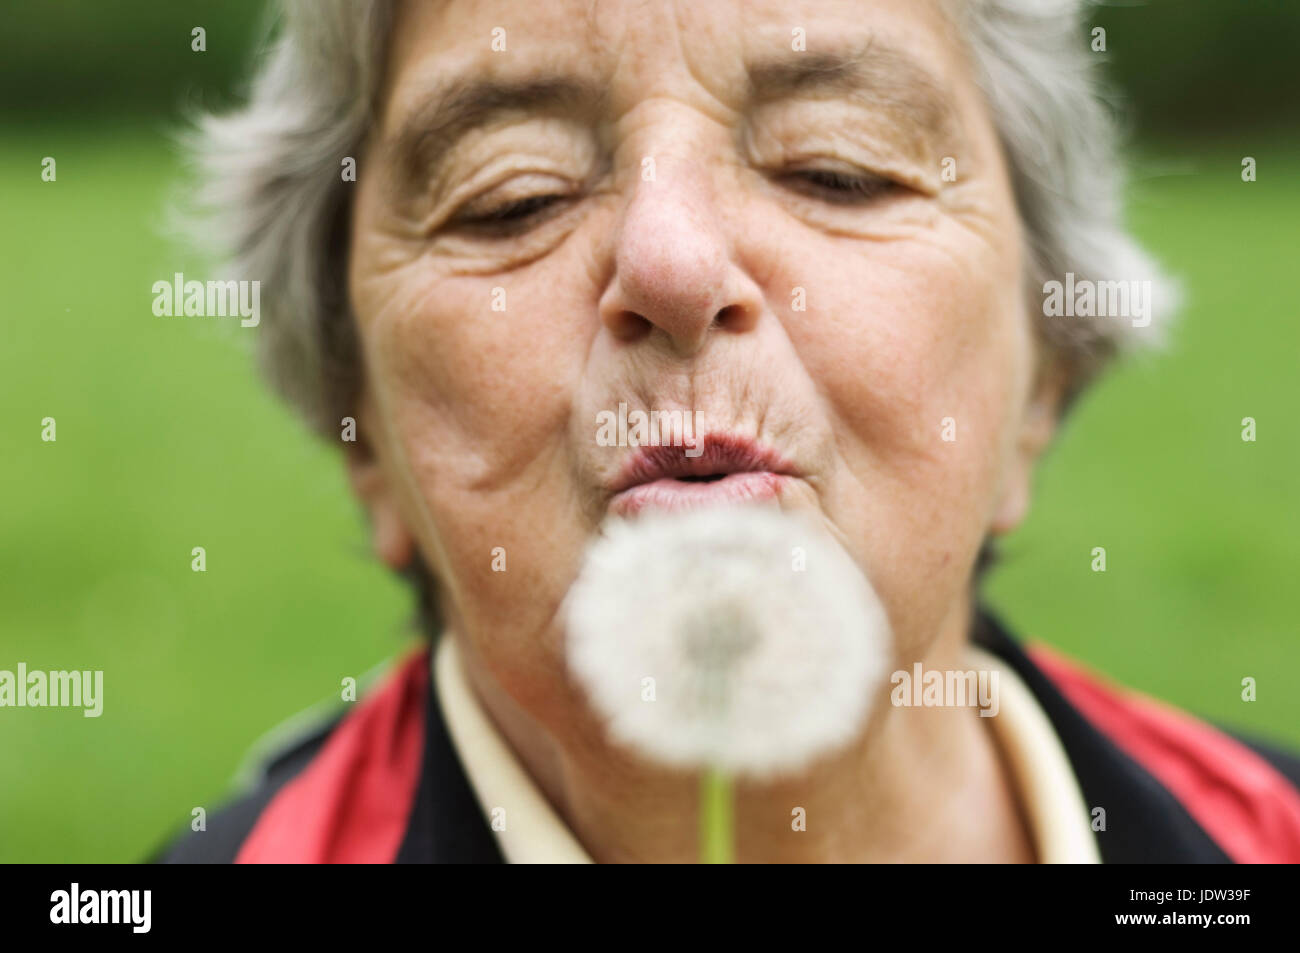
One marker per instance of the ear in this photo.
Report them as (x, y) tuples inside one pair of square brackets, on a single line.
[(392, 541), (1037, 427)]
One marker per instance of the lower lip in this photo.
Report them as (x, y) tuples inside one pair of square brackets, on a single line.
[(670, 495)]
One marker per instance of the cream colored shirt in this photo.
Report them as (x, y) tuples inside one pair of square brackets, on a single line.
[(534, 834)]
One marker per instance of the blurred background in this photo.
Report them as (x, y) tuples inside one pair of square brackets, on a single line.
[(167, 440)]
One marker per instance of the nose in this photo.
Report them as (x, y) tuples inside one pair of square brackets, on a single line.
[(674, 275)]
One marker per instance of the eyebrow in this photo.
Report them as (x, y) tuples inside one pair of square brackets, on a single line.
[(460, 105), (879, 76)]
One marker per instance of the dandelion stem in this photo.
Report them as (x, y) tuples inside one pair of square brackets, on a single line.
[(717, 833)]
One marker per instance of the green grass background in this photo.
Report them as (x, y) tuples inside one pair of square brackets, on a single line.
[(1201, 529), (166, 441)]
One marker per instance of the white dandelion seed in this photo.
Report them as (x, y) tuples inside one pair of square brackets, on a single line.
[(758, 667)]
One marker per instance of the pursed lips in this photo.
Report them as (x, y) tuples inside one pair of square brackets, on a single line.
[(731, 469)]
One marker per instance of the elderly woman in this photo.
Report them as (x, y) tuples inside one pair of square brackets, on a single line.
[(825, 236)]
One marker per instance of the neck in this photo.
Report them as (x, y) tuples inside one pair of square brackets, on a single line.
[(919, 785)]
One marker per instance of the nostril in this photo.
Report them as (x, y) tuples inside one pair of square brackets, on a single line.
[(734, 317), (629, 326)]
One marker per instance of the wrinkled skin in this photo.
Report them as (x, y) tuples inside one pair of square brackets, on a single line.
[(681, 290)]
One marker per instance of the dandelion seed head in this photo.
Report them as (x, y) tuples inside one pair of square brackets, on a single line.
[(759, 667)]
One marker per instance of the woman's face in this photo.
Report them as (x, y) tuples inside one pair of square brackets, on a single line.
[(789, 220)]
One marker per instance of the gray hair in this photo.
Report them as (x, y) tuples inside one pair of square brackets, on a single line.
[(276, 208)]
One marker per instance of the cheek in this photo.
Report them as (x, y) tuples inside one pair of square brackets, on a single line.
[(911, 341), (474, 360), (921, 332), (474, 404)]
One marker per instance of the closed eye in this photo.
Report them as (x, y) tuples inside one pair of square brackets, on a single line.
[(841, 188), (511, 217)]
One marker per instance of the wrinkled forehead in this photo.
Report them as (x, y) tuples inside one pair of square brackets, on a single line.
[(716, 54)]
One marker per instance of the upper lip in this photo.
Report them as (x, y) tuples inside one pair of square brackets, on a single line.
[(723, 454)]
